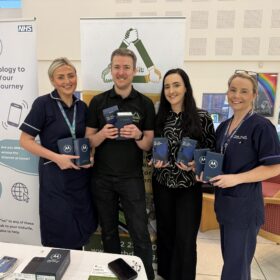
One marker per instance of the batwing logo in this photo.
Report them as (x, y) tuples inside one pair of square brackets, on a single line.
[(1, 47), (84, 148), (54, 258), (202, 159), (213, 163), (25, 28), (67, 149)]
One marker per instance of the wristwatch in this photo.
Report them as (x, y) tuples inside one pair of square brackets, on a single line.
[(141, 137)]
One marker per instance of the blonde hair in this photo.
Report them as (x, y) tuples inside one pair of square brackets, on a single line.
[(245, 76), (58, 62)]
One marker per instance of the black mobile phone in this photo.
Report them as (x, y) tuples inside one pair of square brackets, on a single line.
[(122, 270), (31, 267)]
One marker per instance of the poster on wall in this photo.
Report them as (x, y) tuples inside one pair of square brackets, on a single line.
[(19, 188), (267, 85), (159, 44)]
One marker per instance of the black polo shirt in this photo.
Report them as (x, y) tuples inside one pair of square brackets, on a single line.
[(122, 158)]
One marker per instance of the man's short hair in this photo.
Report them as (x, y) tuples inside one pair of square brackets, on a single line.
[(124, 52)]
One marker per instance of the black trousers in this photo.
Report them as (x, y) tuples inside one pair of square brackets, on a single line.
[(107, 191), (178, 214)]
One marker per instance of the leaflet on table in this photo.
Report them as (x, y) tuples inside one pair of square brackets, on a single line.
[(101, 272)]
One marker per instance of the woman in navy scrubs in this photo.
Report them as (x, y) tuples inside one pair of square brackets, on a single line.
[(66, 212), (251, 151)]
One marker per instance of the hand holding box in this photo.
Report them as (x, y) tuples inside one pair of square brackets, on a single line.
[(213, 165)]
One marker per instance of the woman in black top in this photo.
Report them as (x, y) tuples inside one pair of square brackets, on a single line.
[(177, 196)]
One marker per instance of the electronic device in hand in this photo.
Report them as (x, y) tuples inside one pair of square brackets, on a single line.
[(122, 270), (186, 150), (199, 159), (123, 118), (65, 146), (79, 147), (82, 149), (160, 149), (110, 114), (213, 165), (31, 267)]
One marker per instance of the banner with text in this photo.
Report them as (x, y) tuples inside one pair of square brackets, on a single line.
[(19, 184), (159, 44)]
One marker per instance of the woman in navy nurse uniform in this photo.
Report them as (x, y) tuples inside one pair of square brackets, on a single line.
[(251, 151), (66, 212)]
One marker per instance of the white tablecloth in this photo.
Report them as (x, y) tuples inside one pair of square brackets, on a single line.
[(81, 264)]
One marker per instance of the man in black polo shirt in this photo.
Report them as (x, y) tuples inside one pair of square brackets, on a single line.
[(118, 165)]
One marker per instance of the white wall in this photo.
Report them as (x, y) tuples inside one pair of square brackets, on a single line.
[(58, 35)]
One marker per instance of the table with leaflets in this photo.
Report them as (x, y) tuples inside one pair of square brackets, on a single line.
[(82, 263)]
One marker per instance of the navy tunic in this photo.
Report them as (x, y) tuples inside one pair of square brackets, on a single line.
[(66, 212), (255, 143)]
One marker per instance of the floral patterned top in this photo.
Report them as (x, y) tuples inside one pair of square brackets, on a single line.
[(171, 176)]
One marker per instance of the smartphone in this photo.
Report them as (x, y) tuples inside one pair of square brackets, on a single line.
[(6, 264), (31, 267), (122, 270), (14, 114)]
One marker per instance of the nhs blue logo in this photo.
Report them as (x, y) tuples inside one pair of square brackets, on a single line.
[(25, 28)]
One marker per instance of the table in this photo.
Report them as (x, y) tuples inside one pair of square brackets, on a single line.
[(81, 264)]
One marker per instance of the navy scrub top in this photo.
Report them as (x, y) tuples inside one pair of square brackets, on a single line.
[(255, 143), (66, 212)]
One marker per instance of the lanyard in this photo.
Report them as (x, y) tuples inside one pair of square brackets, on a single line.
[(227, 138), (72, 126)]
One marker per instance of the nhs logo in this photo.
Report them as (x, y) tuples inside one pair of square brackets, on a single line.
[(25, 28)]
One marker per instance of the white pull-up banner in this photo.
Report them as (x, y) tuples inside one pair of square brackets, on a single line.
[(159, 44), (19, 184)]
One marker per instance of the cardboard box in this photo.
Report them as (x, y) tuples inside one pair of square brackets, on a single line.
[(160, 149), (213, 165), (54, 265), (186, 150)]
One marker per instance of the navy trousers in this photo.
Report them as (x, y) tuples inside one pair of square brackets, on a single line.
[(238, 248)]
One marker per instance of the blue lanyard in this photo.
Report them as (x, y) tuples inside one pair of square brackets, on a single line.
[(227, 138), (72, 126)]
